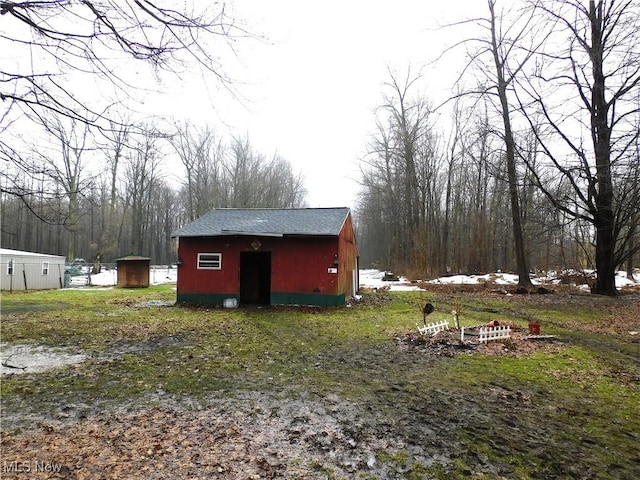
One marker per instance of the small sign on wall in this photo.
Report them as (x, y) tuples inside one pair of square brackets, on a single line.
[(332, 270)]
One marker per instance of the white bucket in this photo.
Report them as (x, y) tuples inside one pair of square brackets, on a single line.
[(230, 303)]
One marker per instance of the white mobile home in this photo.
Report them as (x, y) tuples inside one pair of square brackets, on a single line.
[(30, 271)]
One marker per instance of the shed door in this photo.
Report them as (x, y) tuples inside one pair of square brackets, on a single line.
[(255, 278)]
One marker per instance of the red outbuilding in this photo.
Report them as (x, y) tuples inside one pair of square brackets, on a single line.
[(301, 256)]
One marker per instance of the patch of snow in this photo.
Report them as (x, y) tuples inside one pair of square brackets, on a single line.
[(159, 274), (369, 278), (372, 278), (29, 358), (623, 281)]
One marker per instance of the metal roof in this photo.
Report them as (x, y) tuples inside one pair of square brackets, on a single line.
[(9, 252), (132, 257), (266, 222)]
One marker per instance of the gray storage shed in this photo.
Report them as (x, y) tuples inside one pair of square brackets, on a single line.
[(21, 270)]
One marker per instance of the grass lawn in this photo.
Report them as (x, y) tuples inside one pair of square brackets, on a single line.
[(322, 393)]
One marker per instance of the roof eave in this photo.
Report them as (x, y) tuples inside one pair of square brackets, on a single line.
[(254, 234)]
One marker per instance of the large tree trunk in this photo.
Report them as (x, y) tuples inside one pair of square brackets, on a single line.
[(605, 263), (604, 218), (632, 244), (521, 258)]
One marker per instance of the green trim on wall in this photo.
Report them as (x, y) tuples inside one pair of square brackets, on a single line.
[(316, 299), (277, 298), (205, 298)]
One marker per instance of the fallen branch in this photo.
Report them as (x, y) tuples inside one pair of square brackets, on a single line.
[(5, 363)]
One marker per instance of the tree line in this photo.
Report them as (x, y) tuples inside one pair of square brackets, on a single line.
[(149, 183), (540, 164), (533, 163), (83, 175)]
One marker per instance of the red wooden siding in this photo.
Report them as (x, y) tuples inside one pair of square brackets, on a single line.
[(192, 280), (298, 264), (301, 267)]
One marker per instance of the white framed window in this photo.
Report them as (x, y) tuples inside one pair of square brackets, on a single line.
[(45, 268), (10, 267), (209, 261)]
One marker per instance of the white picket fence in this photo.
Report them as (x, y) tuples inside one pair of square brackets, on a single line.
[(433, 328), (490, 333), (494, 333)]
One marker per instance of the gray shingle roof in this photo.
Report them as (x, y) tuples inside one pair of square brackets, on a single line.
[(266, 221)]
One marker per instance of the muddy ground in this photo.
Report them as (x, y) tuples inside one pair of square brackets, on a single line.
[(399, 429)]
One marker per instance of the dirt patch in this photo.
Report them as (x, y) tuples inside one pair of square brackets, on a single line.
[(373, 298), (141, 302), (154, 303), (31, 306), (623, 319), (249, 436), (448, 343)]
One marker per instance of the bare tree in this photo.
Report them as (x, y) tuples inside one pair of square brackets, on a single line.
[(200, 153), (589, 88), (62, 48), (380, 205), (509, 40), (252, 181), (66, 167), (162, 222), (500, 49), (116, 144), (399, 179), (142, 172), (243, 174), (453, 157), (282, 187), (83, 36), (407, 119), (482, 178)]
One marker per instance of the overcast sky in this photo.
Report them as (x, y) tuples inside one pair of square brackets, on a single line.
[(312, 86)]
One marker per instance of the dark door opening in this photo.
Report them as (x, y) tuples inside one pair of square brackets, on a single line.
[(255, 278)]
